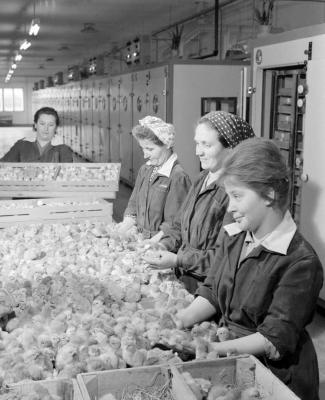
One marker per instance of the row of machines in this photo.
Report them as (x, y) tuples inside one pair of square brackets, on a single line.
[(97, 114)]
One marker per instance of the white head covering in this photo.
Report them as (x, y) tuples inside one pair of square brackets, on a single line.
[(165, 132)]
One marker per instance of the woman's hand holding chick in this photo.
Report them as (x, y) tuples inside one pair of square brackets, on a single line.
[(126, 225), (160, 259), (156, 238), (182, 319), (179, 321)]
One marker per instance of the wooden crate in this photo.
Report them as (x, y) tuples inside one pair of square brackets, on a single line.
[(61, 389), (244, 371), (76, 390), (34, 180), (95, 385), (17, 212)]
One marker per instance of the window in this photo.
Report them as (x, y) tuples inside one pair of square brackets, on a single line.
[(18, 99), (11, 99)]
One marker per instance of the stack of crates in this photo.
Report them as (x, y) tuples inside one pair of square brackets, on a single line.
[(65, 192)]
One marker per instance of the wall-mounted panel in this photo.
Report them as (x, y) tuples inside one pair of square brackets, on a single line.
[(114, 127), (100, 120), (140, 108), (126, 145), (86, 120)]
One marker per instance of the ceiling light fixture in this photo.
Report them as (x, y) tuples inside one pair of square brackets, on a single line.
[(25, 45), (18, 57), (34, 27), (14, 66)]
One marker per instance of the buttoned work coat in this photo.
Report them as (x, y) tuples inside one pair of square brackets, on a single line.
[(156, 203), (193, 236), (273, 294), (26, 151)]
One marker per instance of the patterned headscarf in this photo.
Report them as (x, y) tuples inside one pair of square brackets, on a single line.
[(231, 127), (165, 132)]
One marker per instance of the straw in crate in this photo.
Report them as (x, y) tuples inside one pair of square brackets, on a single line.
[(141, 383)]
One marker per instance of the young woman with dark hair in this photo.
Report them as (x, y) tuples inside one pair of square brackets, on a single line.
[(265, 280)]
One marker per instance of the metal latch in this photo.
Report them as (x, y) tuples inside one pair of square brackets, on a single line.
[(309, 52)]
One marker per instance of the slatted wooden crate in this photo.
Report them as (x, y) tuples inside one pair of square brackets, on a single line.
[(16, 212), (95, 385), (60, 389), (33, 180), (244, 371)]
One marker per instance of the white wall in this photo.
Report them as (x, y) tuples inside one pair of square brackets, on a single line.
[(190, 83), (25, 117), (290, 15)]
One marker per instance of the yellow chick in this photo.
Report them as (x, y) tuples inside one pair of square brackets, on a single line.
[(250, 394)]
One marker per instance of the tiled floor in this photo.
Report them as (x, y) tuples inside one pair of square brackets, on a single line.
[(317, 328)]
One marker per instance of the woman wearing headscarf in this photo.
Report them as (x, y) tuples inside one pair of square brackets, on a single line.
[(190, 241), (161, 185)]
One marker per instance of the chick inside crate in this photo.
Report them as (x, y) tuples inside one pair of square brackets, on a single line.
[(53, 389), (58, 180), (231, 378)]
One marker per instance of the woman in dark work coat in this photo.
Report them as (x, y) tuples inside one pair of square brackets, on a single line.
[(161, 185), (265, 280), (46, 121), (190, 241)]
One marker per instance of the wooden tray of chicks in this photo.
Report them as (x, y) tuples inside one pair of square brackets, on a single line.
[(134, 383), (27, 211), (228, 378), (59, 179), (52, 389)]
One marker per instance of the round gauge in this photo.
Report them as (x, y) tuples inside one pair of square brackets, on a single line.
[(300, 103), (139, 104), (155, 104), (301, 88)]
